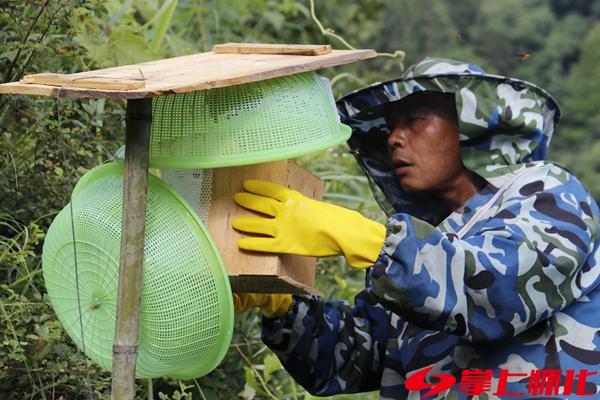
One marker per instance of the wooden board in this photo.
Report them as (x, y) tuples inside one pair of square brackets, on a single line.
[(91, 82), (270, 284), (190, 73), (252, 271), (259, 48)]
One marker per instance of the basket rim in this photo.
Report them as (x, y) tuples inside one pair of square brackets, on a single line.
[(218, 161)]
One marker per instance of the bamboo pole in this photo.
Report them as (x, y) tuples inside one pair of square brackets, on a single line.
[(135, 194)]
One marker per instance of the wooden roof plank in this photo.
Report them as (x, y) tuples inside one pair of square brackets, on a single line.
[(190, 73), (52, 79), (259, 48)]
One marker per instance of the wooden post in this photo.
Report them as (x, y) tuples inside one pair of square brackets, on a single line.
[(135, 194)]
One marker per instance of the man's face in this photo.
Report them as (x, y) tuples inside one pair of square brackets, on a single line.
[(424, 146)]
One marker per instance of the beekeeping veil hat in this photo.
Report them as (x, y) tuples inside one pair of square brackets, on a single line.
[(503, 122)]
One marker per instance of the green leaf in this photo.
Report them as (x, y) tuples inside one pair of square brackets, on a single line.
[(274, 18), (120, 13), (9, 55), (248, 393), (272, 365), (162, 22), (250, 379), (128, 47), (147, 8), (341, 282), (95, 45)]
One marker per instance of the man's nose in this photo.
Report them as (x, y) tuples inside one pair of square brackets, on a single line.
[(397, 138)]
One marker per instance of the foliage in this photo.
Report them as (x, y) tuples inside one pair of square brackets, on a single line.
[(581, 107), (582, 104), (36, 357), (45, 145)]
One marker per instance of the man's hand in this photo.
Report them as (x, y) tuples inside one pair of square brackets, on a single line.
[(271, 305), (297, 224)]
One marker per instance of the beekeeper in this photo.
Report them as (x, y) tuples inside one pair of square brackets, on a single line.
[(489, 259)]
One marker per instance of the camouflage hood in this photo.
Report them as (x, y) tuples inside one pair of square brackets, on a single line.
[(503, 122)]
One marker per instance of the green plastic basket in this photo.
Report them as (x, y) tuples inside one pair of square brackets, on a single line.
[(186, 317), (262, 121)]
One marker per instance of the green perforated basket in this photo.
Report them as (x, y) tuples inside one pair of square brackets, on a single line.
[(262, 121), (186, 317)]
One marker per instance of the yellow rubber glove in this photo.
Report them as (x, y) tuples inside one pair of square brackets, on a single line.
[(305, 226), (271, 305)]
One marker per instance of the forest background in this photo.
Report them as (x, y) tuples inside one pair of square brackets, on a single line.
[(554, 43)]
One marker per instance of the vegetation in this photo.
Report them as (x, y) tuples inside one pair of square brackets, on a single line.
[(45, 146)]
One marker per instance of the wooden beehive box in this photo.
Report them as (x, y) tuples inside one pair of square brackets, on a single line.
[(254, 271)]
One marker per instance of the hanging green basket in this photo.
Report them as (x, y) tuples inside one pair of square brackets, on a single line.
[(186, 317), (262, 121)]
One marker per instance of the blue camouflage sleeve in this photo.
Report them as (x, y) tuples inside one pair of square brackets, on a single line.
[(529, 260), (330, 347)]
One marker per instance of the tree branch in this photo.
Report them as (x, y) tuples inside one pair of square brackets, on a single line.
[(24, 40)]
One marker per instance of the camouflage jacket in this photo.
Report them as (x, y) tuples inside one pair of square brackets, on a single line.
[(508, 282), (517, 292)]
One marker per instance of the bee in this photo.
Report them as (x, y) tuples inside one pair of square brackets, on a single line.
[(523, 55)]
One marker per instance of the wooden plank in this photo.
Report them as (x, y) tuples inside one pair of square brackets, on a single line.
[(91, 82), (259, 48), (194, 72), (270, 284)]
